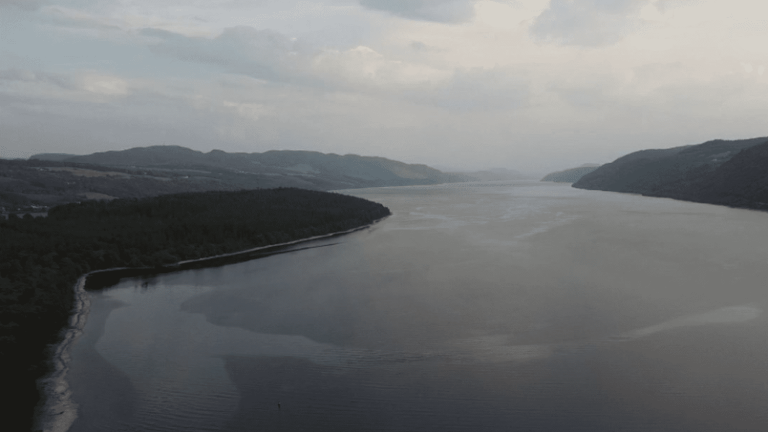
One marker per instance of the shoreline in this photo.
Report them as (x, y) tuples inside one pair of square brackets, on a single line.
[(56, 411)]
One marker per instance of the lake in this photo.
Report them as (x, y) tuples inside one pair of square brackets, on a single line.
[(474, 307)]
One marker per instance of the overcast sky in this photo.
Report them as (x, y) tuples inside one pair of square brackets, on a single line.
[(534, 85)]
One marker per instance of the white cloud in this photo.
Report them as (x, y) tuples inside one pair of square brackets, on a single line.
[(104, 84), (368, 70), (70, 84), (252, 111), (273, 57), (587, 22)]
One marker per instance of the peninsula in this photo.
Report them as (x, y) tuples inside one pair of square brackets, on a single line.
[(42, 258)]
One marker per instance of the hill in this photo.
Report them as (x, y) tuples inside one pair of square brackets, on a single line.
[(721, 172), (51, 179), (307, 168), (742, 181), (571, 175), (493, 174)]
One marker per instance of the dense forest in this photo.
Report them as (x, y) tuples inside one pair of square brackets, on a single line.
[(42, 258), (731, 173)]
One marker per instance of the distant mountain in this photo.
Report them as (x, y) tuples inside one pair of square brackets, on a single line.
[(732, 173), (493, 174), (324, 170), (53, 156), (571, 175), (51, 179)]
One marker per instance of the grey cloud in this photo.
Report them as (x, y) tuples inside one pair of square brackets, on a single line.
[(23, 4), (448, 11), (591, 96), (273, 57), (586, 22), (482, 90), (81, 125), (22, 75), (665, 5), (262, 54), (422, 47)]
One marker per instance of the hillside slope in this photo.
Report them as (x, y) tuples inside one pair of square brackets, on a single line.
[(571, 175), (721, 172), (52, 179), (312, 167), (742, 181)]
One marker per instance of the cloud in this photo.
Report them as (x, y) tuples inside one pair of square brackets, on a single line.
[(481, 90), (23, 4), (446, 11), (247, 110), (27, 76), (82, 83), (586, 22), (273, 57), (263, 54), (104, 85)]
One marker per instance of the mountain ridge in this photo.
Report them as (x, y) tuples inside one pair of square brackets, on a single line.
[(369, 168), (51, 179)]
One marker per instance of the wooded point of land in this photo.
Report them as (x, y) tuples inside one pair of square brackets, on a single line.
[(42, 258)]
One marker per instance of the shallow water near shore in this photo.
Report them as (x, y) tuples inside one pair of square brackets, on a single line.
[(496, 306)]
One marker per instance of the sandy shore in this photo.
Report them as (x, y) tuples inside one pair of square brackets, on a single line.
[(57, 411)]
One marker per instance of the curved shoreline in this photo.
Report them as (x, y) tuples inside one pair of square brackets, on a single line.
[(57, 411)]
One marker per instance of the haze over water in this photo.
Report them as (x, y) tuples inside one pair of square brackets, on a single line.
[(474, 307)]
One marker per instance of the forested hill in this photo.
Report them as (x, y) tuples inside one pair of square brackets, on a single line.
[(52, 179), (732, 173), (46, 180), (41, 258), (343, 171)]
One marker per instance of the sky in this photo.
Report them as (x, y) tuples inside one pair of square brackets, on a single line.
[(531, 85)]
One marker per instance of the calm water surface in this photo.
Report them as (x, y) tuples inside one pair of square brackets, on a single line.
[(480, 307)]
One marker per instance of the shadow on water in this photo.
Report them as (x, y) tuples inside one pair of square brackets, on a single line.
[(315, 397), (100, 280), (596, 388), (431, 396)]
